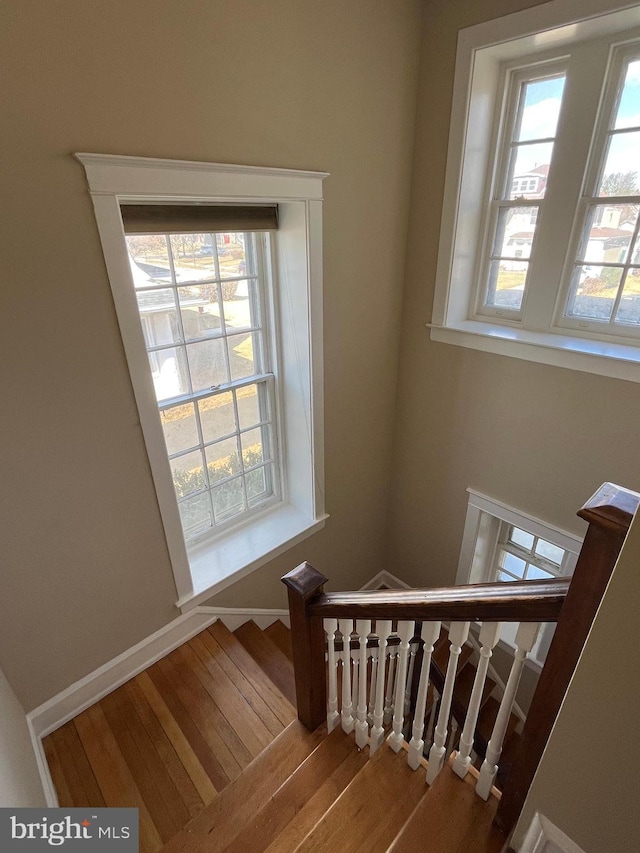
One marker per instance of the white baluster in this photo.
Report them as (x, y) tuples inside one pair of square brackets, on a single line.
[(348, 721), (383, 629), (432, 716), (331, 626), (372, 686), (489, 636), (458, 633), (388, 700), (430, 633), (525, 639), (363, 628), (413, 649), (405, 632)]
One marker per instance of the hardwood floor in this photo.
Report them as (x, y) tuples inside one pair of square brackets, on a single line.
[(174, 736)]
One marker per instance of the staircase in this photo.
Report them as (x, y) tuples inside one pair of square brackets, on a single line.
[(309, 791), (205, 743)]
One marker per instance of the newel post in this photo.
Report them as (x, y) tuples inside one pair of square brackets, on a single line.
[(307, 633), (609, 513)]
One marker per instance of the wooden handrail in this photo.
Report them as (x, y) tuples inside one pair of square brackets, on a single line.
[(524, 601), (573, 604), (609, 512)]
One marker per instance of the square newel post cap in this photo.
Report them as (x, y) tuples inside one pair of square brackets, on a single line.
[(611, 507), (304, 580)]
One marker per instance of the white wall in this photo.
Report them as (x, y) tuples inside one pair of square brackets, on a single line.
[(19, 780)]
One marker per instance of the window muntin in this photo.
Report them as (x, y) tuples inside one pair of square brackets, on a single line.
[(604, 287), (532, 107), (521, 555), (202, 305)]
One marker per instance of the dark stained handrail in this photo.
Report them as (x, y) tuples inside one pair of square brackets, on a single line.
[(524, 601)]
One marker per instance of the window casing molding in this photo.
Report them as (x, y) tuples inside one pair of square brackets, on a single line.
[(484, 527), (544, 33), (211, 565)]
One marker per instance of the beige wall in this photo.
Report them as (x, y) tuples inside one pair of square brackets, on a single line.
[(19, 779), (293, 83), (587, 783), (537, 437)]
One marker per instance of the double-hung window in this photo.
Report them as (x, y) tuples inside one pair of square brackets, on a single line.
[(204, 303), (540, 248), (216, 275)]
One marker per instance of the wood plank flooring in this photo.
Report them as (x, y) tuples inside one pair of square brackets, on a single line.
[(174, 736)]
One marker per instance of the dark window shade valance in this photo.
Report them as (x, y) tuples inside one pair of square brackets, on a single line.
[(196, 218)]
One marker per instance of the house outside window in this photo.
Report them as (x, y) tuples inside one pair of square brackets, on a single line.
[(554, 104), (221, 323)]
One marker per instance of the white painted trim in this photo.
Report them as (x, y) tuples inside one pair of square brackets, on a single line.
[(541, 833), (385, 578)]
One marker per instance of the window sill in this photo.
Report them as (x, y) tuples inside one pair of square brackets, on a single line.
[(216, 565), (619, 361)]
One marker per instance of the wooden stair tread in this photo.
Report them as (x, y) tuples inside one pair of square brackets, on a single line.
[(293, 796), (252, 671), (272, 661), (226, 817), (371, 809), (464, 686), (280, 635), (453, 819)]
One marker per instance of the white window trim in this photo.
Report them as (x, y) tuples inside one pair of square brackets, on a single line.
[(209, 567), (481, 50), (479, 542)]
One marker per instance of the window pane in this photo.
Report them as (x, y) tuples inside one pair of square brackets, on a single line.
[(256, 446), (257, 485), (534, 573), (200, 311), (521, 537), (228, 499), (207, 364), (540, 104), (170, 374), (195, 514), (179, 426), (193, 257), (222, 459), (217, 416), (514, 233), (629, 307), (232, 255), (188, 473), (628, 114), (158, 317), (244, 355), (249, 406), (550, 551), (512, 564), (608, 234), (506, 284), (505, 578), (240, 305), (529, 164), (620, 175), (149, 260), (595, 290)]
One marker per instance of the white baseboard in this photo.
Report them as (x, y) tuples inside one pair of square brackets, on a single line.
[(545, 837), (67, 704)]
